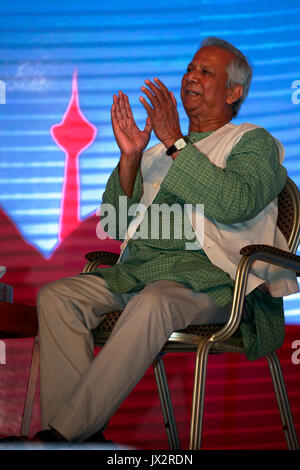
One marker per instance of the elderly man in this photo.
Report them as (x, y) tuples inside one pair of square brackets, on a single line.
[(161, 283)]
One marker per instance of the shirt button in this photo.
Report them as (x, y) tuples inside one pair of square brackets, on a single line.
[(156, 185)]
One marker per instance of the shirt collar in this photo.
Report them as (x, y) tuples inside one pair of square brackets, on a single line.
[(195, 136)]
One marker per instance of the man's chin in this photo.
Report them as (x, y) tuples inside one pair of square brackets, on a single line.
[(190, 109)]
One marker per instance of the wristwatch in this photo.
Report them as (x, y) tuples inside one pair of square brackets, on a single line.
[(178, 145)]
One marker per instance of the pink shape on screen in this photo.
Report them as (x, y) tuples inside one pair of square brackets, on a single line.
[(73, 135)]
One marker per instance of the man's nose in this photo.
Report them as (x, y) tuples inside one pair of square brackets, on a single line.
[(192, 81), (192, 77)]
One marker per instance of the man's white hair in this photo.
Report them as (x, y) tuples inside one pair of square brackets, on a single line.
[(238, 70)]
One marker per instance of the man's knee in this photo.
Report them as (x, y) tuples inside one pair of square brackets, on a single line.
[(48, 295), (48, 290)]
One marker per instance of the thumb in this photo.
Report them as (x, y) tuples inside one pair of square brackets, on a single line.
[(148, 126)]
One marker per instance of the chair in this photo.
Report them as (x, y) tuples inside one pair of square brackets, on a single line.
[(210, 339)]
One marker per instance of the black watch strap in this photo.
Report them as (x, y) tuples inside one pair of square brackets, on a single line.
[(174, 148)]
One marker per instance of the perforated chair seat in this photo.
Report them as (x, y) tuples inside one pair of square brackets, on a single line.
[(234, 344)]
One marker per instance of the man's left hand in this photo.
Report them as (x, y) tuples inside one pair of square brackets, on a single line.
[(163, 113)]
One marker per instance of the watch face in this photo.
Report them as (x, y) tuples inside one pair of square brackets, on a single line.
[(180, 143)]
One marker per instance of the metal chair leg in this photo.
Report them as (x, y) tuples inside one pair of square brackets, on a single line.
[(31, 387), (199, 394), (166, 403), (283, 402)]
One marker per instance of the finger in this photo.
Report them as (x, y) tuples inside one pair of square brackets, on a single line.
[(116, 122), (159, 94), (114, 119), (162, 91), (152, 98), (161, 86), (153, 87), (128, 107), (115, 102), (120, 107), (146, 105), (148, 126), (114, 108), (123, 109), (117, 111), (165, 90)]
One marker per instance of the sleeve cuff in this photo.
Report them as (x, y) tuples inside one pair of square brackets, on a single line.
[(189, 165)]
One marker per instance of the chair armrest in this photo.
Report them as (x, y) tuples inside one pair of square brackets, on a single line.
[(252, 253), (99, 257), (284, 255)]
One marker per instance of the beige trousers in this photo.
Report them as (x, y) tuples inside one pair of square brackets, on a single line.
[(79, 393)]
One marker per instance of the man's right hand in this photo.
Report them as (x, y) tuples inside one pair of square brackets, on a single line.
[(131, 140)]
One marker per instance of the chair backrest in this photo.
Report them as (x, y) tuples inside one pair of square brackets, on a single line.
[(289, 214)]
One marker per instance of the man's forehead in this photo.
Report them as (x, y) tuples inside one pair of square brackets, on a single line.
[(213, 55)]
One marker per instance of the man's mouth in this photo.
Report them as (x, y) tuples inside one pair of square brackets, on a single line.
[(191, 93)]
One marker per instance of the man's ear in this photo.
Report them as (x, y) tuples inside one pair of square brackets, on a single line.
[(234, 93)]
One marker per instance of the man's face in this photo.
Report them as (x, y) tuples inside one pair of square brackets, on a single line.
[(203, 88)]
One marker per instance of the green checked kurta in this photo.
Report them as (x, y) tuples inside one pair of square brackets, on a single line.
[(193, 179)]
